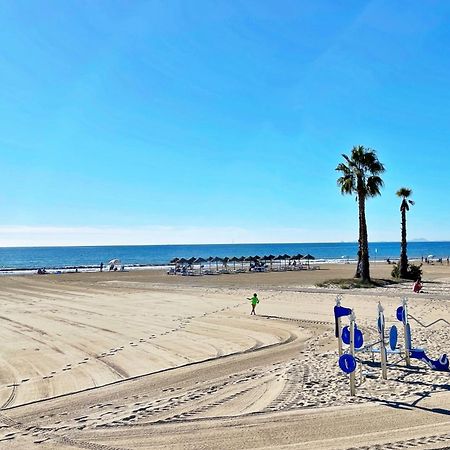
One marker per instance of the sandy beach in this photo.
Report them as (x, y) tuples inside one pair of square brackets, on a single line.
[(140, 360)]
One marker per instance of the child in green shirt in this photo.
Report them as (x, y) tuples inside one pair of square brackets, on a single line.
[(254, 301)]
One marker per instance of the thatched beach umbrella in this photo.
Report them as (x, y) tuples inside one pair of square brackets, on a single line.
[(286, 257), (242, 259), (174, 260), (200, 261), (182, 261), (217, 260), (279, 258), (234, 260), (270, 258), (309, 257), (296, 257), (248, 259)]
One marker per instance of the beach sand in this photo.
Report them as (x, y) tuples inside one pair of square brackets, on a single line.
[(140, 360)]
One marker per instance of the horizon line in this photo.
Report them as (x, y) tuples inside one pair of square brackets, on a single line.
[(205, 244)]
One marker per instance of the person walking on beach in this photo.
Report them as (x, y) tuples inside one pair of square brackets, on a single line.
[(254, 301)]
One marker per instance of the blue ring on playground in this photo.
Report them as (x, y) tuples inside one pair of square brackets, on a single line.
[(393, 336), (359, 339), (347, 363), (400, 313), (346, 335)]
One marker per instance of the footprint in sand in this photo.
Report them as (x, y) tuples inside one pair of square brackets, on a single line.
[(81, 419), (7, 438)]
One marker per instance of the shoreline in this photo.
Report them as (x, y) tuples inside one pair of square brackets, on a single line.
[(127, 267)]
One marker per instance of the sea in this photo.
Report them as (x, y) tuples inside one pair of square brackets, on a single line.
[(32, 258)]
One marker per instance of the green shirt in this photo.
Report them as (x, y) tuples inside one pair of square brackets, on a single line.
[(254, 300)]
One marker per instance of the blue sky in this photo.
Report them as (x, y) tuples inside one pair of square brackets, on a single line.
[(201, 122)]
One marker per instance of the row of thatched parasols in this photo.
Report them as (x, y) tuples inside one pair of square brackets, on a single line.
[(242, 259)]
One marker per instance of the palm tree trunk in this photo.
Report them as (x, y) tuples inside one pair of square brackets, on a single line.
[(358, 264), (364, 241), (403, 253)]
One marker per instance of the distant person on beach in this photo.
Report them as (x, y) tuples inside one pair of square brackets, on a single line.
[(417, 287), (254, 301), (101, 267)]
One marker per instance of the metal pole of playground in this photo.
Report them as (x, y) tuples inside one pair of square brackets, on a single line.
[(352, 352), (382, 344), (339, 327), (405, 332)]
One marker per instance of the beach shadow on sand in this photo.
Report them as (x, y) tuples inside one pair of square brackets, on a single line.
[(415, 403)]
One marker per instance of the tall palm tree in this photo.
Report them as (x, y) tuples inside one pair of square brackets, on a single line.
[(404, 194), (360, 177)]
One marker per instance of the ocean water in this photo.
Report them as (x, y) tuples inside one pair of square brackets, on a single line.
[(61, 257)]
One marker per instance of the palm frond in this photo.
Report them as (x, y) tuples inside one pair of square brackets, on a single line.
[(404, 192), (350, 161), (343, 168), (346, 184), (373, 185), (361, 170)]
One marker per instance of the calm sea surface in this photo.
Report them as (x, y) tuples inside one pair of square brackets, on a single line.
[(59, 257)]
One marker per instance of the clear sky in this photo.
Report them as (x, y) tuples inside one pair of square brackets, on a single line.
[(219, 121)]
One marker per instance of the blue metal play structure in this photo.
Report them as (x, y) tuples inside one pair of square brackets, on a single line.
[(353, 337), (441, 364)]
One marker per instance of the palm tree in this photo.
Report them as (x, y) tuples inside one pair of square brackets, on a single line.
[(360, 176), (404, 194)]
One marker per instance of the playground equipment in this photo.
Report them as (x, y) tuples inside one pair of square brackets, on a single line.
[(352, 336), (347, 361), (441, 364)]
